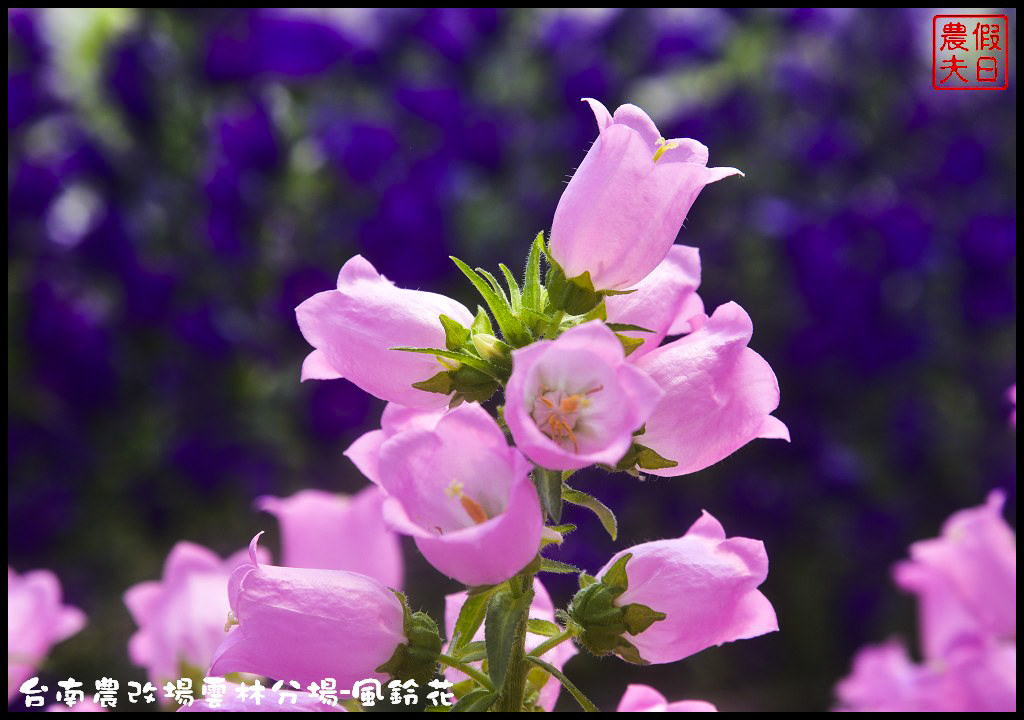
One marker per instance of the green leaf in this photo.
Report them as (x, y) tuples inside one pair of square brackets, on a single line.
[(482, 322), (513, 289), (479, 700), (586, 580), (604, 514), (616, 578), (618, 292), (629, 652), (640, 617), (532, 299), (470, 618), (455, 335), (440, 383), (511, 327), (474, 652), (464, 358), (504, 630), (549, 489), (555, 566), (626, 327), (542, 627)]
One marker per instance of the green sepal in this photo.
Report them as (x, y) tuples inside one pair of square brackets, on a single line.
[(514, 294), (575, 296), (415, 659), (482, 322), (643, 457), (556, 566), (479, 700), (603, 512), (533, 298), (511, 327), (563, 529), (640, 617), (455, 335), (549, 490), (626, 327), (542, 627), (602, 622), (440, 383), (463, 357), (629, 344), (472, 385)]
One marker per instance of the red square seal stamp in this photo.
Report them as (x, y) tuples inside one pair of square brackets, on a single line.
[(970, 52)]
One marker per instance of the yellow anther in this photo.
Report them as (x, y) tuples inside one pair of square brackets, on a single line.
[(663, 145)]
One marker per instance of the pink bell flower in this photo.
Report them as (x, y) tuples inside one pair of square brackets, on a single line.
[(643, 698), (354, 328), (575, 401), (306, 625), (542, 609), (705, 584), (965, 580), (337, 532), (181, 617), (365, 451), (464, 495), (665, 302), (624, 206), (37, 620), (718, 394)]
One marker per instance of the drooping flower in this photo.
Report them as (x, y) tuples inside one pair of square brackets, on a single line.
[(575, 401), (644, 698), (966, 585), (677, 597), (885, 679), (665, 302), (464, 495), (235, 698), (543, 609), (337, 532), (965, 580), (365, 451), (624, 206), (718, 394), (306, 625), (37, 620), (181, 617), (354, 328)]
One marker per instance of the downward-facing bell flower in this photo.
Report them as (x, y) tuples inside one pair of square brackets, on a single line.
[(337, 532), (181, 616), (575, 401), (464, 495), (624, 206), (37, 620), (665, 302), (718, 394), (354, 328), (643, 698), (665, 600), (308, 625)]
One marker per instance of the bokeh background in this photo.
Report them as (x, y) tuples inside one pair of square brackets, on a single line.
[(178, 181)]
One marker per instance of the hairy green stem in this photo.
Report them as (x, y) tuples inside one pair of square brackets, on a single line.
[(512, 694), (582, 699), (556, 322), (466, 668), (551, 642)]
